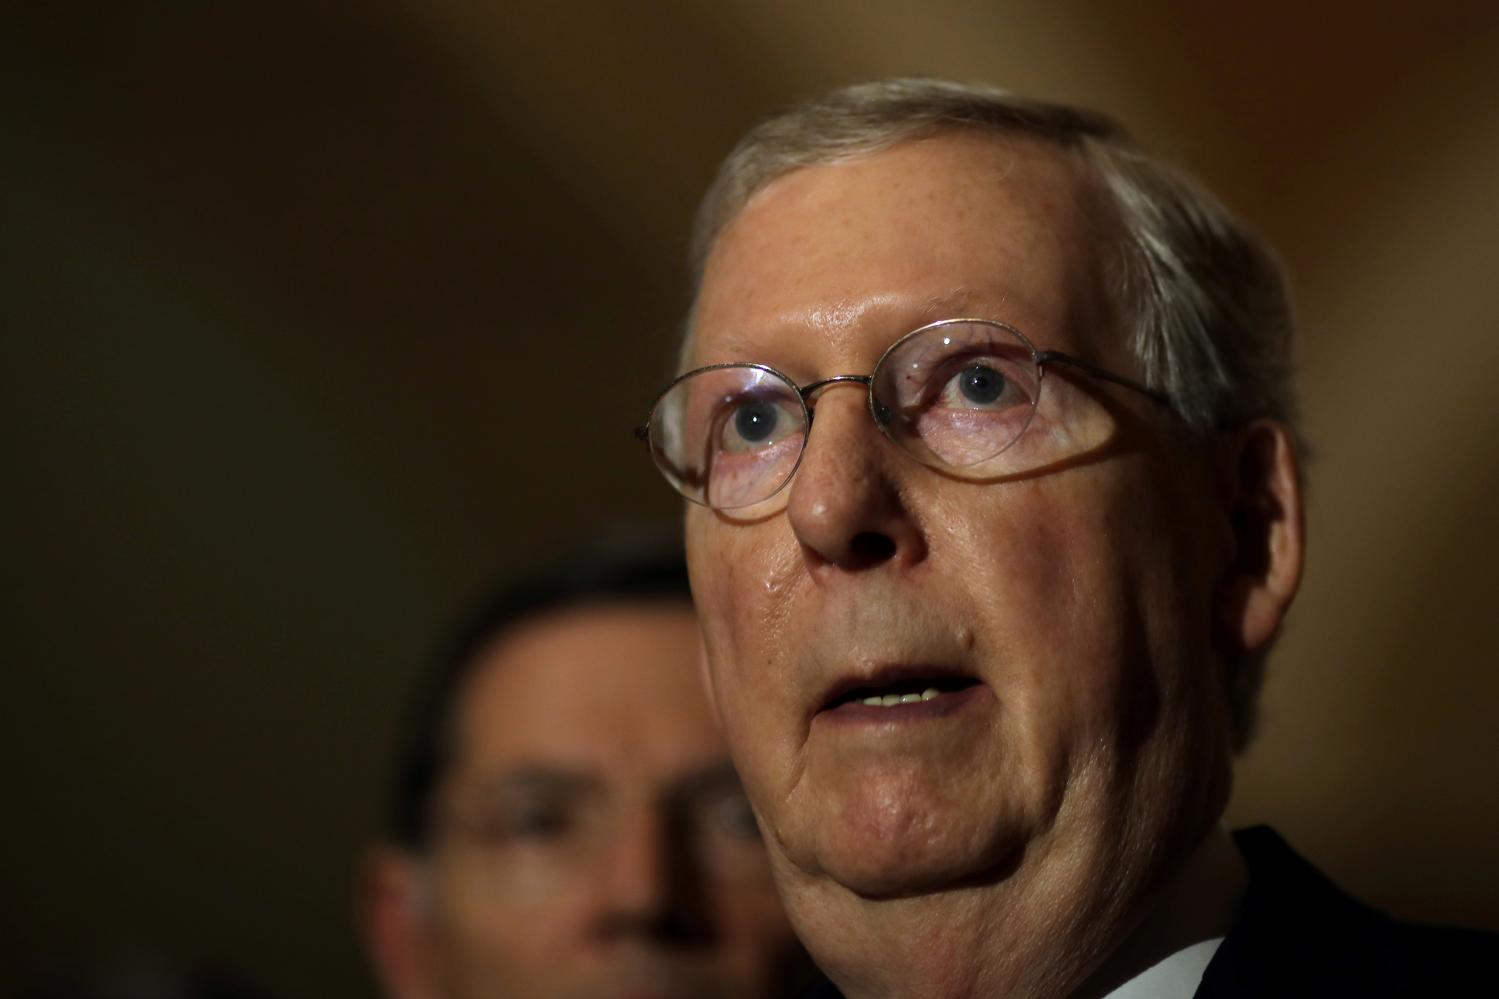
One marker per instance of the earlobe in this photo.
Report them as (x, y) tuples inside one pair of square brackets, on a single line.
[(388, 913), (1265, 511)]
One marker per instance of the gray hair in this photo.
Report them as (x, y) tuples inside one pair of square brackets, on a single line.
[(1206, 299), (1203, 298)]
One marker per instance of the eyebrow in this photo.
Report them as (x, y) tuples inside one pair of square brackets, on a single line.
[(955, 303), (960, 303)]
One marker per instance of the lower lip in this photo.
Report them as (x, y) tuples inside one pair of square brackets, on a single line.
[(944, 705)]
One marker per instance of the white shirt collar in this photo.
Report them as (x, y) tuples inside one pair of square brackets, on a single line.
[(1173, 977)]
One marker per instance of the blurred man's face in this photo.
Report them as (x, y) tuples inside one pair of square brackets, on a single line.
[(1063, 615), (591, 839)]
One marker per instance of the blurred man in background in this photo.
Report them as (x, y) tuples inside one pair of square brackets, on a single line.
[(566, 821), (986, 635)]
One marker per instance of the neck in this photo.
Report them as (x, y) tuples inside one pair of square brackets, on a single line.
[(1024, 936), (1198, 903)]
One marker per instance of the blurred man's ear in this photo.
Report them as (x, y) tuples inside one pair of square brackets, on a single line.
[(389, 910), (1265, 511)]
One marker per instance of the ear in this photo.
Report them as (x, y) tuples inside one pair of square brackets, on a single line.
[(389, 910), (1265, 511)]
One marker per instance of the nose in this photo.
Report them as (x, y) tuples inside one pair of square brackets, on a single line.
[(648, 887), (846, 506)]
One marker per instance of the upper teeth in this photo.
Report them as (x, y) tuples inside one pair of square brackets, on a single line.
[(887, 700)]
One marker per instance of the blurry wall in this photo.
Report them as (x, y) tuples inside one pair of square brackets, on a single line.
[(313, 315)]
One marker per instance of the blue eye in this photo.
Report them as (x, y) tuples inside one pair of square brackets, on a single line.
[(980, 384), (755, 421)]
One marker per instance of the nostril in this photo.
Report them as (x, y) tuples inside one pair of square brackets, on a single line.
[(869, 548)]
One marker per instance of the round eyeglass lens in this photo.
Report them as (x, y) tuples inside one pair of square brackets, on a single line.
[(958, 393), (728, 436)]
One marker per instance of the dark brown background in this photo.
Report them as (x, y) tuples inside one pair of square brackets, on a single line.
[(315, 315)]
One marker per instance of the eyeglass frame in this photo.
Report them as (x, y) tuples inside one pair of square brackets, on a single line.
[(1040, 358)]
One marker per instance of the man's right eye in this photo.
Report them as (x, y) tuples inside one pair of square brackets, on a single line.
[(535, 823), (755, 421), (755, 424), (540, 822)]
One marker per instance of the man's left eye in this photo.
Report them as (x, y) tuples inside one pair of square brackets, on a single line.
[(732, 814)]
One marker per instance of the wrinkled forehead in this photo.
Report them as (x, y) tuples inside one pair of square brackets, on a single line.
[(839, 259)]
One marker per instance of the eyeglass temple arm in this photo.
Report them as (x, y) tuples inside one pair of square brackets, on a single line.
[(1045, 357)]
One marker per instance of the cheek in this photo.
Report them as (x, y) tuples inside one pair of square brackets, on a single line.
[(514, 933), (741, 586), (1125, 599), (1062, 623), (716, 577)]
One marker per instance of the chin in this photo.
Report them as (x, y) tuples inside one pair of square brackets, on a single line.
[(905, 838)]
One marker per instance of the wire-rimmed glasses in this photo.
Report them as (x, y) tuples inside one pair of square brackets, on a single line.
[(956, 394)]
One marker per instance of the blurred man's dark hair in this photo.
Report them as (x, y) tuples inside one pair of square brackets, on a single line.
[(638, 568)]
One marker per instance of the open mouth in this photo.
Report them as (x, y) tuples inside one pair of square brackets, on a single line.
[(907, 693), (906, 690)]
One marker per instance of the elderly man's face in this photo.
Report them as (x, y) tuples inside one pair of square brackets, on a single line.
[(590, 838), (1064, 615)]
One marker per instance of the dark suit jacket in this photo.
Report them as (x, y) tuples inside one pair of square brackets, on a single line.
[(1298, 935)]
